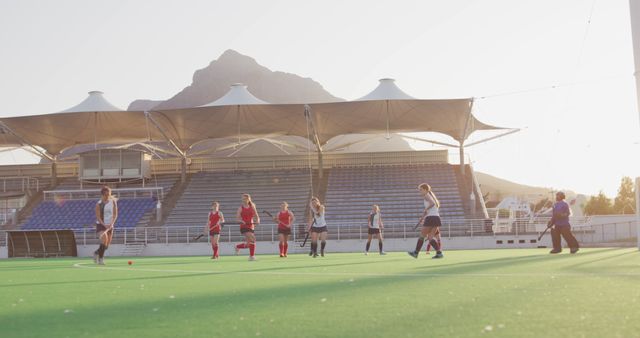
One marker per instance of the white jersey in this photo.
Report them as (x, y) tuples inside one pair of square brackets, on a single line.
[(433, 211), (375, 220), (319, 219), (107, 210)]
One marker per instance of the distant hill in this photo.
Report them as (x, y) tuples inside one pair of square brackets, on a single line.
[(499, 188), (212, 82)]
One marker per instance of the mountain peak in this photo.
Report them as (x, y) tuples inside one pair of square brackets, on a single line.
[(212, 82)]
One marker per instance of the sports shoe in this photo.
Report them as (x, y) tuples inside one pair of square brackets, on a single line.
[(366, 253), (413, 254), (100, 261), (554, 251), (382, 253), (427, 252), (574, 250), (438, 255), (213, 257), (252, 258), (95, 257), (315, 255), (322, 253), (310, 253), (281, 255)]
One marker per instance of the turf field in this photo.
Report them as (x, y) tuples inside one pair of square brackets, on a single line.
[(506, 293)]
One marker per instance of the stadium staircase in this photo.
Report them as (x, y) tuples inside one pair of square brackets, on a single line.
[(133, 248)]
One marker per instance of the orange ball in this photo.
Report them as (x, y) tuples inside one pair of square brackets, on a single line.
[(130, 262)]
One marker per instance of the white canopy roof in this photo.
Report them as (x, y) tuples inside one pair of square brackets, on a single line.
[(95, 102), (386, 90), (237, 95)]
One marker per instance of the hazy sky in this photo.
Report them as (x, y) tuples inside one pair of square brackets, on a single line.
[(583, 135)]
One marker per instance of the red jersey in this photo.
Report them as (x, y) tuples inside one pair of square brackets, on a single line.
[(284, 220), (214, 221), (247, 215)]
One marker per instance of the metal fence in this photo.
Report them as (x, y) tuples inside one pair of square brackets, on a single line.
[(615, 234), (83, 194)]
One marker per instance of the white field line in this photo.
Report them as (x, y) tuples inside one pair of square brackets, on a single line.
[(363, 274)]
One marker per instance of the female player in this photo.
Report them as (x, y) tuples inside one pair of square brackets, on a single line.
[(430, 221), (246, 215), (317, 227), (106, 216), (214, 225), (375, 227), (285, 219)]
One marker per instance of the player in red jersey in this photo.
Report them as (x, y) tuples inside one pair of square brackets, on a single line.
[(285, 219), (246, 215), (438, 239), (214, 225)]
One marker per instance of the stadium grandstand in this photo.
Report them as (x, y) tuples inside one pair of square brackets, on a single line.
[(166, 167)]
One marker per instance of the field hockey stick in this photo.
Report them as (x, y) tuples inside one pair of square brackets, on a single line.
[(545, 231), (417, 225), (308, 232), (268, 213), (198, 237)]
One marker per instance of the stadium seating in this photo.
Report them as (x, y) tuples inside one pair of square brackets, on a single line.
[(76, 214), (268, 188), (352, 191)]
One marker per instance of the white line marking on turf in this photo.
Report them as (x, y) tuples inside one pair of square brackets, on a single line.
[(366, 274)]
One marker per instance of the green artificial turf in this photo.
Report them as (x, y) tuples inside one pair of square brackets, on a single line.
[(506, 293)]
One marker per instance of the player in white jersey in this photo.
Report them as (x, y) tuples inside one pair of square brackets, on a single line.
[(374, 228), (430, 221), (317, 227), (106, 216)]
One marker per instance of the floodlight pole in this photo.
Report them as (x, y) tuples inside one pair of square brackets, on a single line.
[(634, 11), (638, 210)]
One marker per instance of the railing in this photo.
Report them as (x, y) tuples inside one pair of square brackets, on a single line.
[(80, 194), (615, 232), (610, 233), (19, 183)]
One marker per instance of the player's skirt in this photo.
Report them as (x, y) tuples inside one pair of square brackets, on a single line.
[(245, 230), (214, 232), (100, 229), (319, 229), (432, 222), (284, 231), (374, 231)]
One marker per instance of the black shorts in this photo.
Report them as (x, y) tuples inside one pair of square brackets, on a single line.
[(374, 231), (101, 228), (284, 231), (432, 221), (319, 229), (245, 230)]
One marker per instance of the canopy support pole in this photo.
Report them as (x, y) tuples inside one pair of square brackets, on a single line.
[(512, 131), (461, 152), (316, 140), (183, 155), (54, 164)]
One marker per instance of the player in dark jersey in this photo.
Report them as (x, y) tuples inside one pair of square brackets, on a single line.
[(285, 219), (214, 225), (246, 215), (560, 222)]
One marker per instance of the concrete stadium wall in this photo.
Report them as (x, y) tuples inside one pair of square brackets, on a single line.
[(271, 248)]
